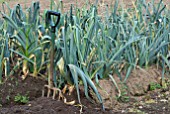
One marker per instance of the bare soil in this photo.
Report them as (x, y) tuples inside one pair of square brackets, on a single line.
[(153, 102), (45, 4), (32, 88)]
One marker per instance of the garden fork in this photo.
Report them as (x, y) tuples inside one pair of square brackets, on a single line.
[(52, 29)]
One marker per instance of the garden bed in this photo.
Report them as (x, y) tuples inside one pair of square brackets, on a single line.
[(155, 101), (143, 92)]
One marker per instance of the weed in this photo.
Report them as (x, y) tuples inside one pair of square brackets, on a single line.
[(23, 99), (8, 98), (124, 95), (154, 86)]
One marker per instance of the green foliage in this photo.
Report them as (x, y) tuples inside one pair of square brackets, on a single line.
[(22, 29), (154, 86), (2, 1), (8, 98), (85, 45), (23, 99), (1, 55), (4, 52), (75, 71), (123, 97)]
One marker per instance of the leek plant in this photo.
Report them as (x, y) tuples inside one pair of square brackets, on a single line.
[(153, 25), (2, 46), (77, 53), (23, 33), (4, 52), (123, 40)]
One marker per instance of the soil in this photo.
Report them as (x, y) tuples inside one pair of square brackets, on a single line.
[(140, 100), (45, 4), (157, 101), (37, 104)]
